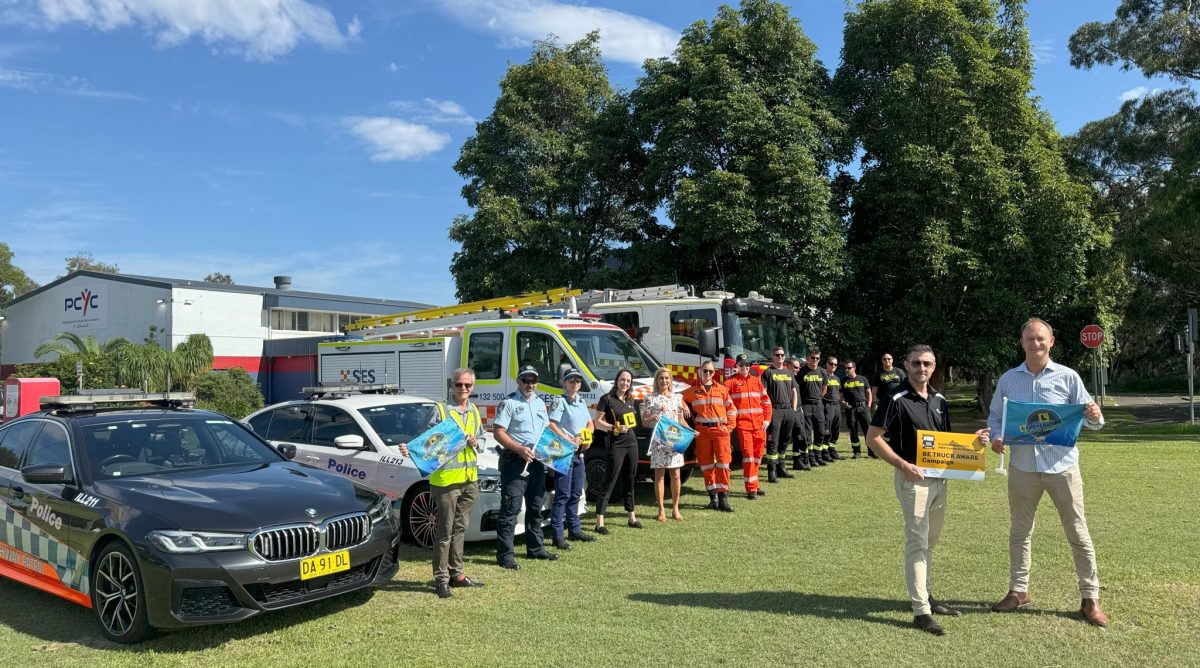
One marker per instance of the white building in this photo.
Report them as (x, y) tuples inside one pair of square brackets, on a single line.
[(238, 319)]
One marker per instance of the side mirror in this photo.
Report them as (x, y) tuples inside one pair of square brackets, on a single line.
[(348, 442), (46, 474), (287, 450), (708, 342)]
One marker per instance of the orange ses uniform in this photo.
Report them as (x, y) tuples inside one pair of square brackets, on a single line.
[(753, 414), (715, 417)]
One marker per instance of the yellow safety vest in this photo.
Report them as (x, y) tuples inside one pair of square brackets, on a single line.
[(463, 468)]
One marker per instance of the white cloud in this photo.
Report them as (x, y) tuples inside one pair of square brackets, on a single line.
[(391, 139), (38, 82), (434, 111), (1138, 93), (1043, 51), (256, 29), (392, 67), (623, 37)]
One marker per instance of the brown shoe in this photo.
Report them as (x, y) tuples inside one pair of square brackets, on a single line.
[(1092, 614), (1012, 601)]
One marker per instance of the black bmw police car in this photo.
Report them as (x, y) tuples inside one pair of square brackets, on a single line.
[(166, 516)]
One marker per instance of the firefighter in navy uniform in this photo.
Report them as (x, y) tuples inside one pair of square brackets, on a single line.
[(833, 407), (890, 378), (856, 398), (780, 384), (814, 383), (803, 454)]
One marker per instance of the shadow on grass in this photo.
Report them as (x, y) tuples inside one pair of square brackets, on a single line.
[(788, 603), (63, 625)]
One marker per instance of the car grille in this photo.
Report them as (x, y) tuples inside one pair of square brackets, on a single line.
[(208, 602), (297, 541), (277, 594), (346, 532), (287, 542)]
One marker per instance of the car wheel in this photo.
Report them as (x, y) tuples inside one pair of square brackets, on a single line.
[(594, 475), (419, 516), (118, 597)]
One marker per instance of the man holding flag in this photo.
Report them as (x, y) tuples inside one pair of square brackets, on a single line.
[(1041, 466), (571, 419)]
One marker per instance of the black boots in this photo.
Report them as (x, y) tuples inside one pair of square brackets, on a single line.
[(712, 501), (781, 466), (800, 463), (723, 503), (856, 450), (832, 450)]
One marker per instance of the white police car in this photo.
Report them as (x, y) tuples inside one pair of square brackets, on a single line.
[(355, 435)]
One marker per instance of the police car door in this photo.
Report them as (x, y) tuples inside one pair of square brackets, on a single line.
[(14, 442), (392, 424), (322, 451), (46, 514)]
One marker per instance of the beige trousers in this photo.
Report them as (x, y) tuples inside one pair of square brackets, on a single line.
[(454, 504), (1066, 491), (923, 505)]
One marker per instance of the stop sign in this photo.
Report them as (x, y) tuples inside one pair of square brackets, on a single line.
[(1091, 336)]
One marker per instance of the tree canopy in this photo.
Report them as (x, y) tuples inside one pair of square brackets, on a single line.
[(86, 262), (1154, 36)]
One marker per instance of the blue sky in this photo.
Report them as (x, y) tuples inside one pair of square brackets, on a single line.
[(316, 138)]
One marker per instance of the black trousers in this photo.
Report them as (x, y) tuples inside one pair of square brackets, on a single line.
[(814, 422), (620, 465), (779, 434), (860, 418), (833, 421), (515, 488)]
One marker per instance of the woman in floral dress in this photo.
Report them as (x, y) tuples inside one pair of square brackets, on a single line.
[(663, 458)]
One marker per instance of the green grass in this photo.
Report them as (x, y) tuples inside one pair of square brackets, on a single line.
[(812, 574)]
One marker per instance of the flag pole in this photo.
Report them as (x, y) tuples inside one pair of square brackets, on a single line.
[(1002, 470)]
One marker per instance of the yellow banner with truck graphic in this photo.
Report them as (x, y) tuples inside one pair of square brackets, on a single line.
[(942, 454)]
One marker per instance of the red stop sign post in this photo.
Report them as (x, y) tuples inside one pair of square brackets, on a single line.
[(1092, 336)]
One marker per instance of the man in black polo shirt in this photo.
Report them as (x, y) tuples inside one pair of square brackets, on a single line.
[(780, 385), (833, 406), (915, 406), (814, 382), (856, 397), (890, 378)]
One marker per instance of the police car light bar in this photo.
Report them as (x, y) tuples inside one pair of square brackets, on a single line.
[(92, 399), (332, 391)]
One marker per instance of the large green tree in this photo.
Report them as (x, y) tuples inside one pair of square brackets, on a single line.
[(1154, 36), (965, 221), (13, 281), (548, 210), (740, 133), (87, 262)]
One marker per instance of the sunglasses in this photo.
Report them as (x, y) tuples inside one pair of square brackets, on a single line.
[(464, 386), (851, 368), (922, 363), (831, 364), (814, 357), (574, 380), (527, 381), (708, 371)]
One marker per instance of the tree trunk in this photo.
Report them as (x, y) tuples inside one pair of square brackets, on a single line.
[(985, 386)]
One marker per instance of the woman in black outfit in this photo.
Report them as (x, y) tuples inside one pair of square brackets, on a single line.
[(615, 414)]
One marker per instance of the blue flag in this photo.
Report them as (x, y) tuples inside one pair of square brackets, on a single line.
[(438, 445), (1031, 423), (675, 435), (555, 451)]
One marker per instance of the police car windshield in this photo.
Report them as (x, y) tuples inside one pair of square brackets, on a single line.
[(141, 446), (756, 335), (607, 351), (400, 423)]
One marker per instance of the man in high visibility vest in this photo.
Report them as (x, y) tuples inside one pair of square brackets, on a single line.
[(455, 487), (753, 416), (715, 418)]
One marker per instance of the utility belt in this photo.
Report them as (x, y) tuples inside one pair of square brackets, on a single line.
[(810, 403), (709, 423), (782, 407)]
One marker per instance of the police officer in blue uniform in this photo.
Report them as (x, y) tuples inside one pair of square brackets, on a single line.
[(519, 422)]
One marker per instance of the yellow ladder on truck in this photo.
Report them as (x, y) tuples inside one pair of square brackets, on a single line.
[(544, 298)]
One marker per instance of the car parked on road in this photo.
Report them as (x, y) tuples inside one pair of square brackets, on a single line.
[(168, 517)]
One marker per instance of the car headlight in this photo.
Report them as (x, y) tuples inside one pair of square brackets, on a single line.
[(489, 484), (379, 511), (192, 542)]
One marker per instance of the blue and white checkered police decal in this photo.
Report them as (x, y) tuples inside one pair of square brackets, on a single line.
[(21, 534)]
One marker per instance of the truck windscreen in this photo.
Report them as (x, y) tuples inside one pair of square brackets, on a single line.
[(607, 351), (757, 334)]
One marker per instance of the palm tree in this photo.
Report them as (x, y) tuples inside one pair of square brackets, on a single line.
[(154, 369), (190, 360), (67, 343)]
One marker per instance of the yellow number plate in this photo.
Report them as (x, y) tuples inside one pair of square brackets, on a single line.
[(324, 564)]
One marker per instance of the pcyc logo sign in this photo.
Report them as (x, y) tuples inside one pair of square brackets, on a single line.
[(84, 310), (85, 301)]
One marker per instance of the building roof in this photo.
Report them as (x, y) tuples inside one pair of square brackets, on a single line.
[(272, 297)]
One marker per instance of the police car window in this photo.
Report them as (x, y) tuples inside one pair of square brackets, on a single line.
[(484, 353), (539, 350), (15, 440), (260, 422), (328, 423), (288, 423), (686, 325), (50, 447), (161, 446), (400, 423)]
